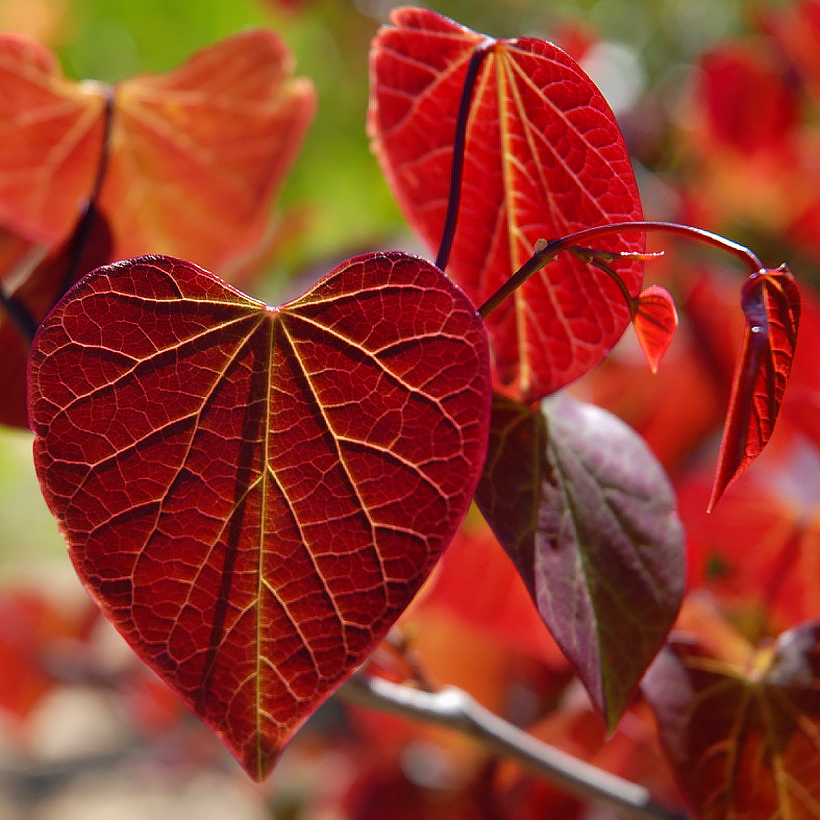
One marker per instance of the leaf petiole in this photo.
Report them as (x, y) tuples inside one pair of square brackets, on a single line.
[(459, 142), (547, 251)]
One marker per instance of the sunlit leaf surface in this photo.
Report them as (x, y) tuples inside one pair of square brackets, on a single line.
[(254, 494), (544, 157), (588, 517)]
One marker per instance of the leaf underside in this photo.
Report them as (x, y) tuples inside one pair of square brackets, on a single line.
[(254, 494), (743, 741)]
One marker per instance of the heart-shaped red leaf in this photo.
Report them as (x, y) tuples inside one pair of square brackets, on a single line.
[(742, 738), (588, 517), (544, 157), (655, 322), (254, 494), (771, 303)]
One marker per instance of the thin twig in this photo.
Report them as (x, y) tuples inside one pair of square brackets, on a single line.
[(454, 708)]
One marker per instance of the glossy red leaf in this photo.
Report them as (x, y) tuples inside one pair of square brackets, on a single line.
[(742, 738), (655, 322), (194, 156), (254, 494), (544, 157), (771, 304), (587, 515)]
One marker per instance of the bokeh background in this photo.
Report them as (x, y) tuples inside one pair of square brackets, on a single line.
[(107, 742)]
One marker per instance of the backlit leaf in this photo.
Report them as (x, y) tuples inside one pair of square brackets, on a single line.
[(254, 494), (655, 322), (51, 136), (743, 739), (194, 156), (771, 304), (197, 154), (588, 517), (544, 157)]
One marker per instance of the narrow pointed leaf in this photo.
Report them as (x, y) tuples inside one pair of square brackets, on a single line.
[(254, 494), (655, 322), (744, 740), (544, 157), (587, 515), (771, 303)]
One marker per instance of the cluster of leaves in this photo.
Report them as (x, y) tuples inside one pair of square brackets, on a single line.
[(254, 495)]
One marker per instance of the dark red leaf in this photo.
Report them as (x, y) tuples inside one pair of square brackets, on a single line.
[(588, 517), (544, 157), (254, 494), (742, 738), (655, 322), (771, 303), (36, 294)]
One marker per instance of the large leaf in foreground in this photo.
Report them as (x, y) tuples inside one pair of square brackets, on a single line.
[(544, 157), (254, 494), (771, 304), (588, 516), (744, 738)]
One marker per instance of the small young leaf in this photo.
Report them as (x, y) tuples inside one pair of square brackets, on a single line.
[(544, 157), (655, 321), (743, 740), (771, 303), (254, 494), (588, 517)]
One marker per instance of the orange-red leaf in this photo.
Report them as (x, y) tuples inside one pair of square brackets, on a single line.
[(254, 494), (51, 135), (544, 157), (744, 739), (655, 321), (194, 156), (771, 303), (588, 517)]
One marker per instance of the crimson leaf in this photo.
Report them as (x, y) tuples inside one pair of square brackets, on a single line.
[(771, 303), (254, 494)]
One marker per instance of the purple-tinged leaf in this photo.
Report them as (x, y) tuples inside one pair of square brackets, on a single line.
[(586, 513)]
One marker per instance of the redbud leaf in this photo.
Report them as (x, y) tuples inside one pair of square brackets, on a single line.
[(771, 304), (193, 157), (253, 494), (588, 517), (742, 739), (544, 157), (655, 322)]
